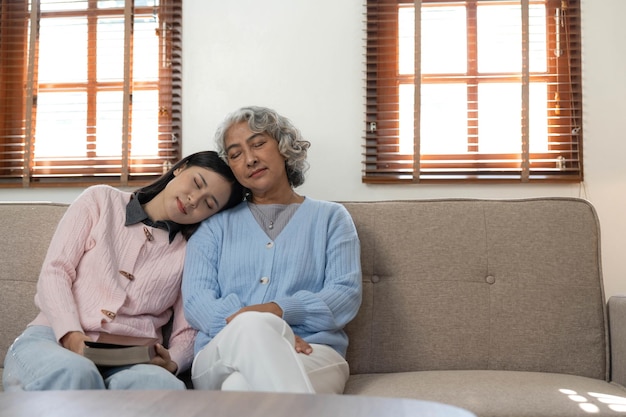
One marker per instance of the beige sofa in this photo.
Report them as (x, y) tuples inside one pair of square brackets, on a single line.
[(491, 305)]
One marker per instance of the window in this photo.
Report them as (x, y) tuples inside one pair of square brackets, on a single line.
[(474, 90), (90, 91)]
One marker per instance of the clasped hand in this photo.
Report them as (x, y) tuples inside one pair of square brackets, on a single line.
[(301, 345)]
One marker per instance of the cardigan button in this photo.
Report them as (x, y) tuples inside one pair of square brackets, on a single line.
[(269, 245), (148, 234), (109, 314), (264, 280), (128, 275), (375, 278), (490, 279)]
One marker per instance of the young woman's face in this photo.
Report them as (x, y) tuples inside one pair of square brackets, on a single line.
[(255, 159), (194, 194)]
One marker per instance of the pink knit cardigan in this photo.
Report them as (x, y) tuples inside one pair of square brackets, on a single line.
[(102, 276)]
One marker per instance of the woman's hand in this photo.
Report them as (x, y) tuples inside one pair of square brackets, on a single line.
[(302, 346), (263, 308), (75, 341), (163, 359)]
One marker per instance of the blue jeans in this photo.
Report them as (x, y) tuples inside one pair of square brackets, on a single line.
[(37, 362)]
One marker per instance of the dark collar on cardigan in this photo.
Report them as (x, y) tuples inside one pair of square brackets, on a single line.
[(136, 214)]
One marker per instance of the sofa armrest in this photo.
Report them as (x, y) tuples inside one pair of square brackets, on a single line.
[(617, 329)]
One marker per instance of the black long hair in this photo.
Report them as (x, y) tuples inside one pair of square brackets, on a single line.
[(204, 159)]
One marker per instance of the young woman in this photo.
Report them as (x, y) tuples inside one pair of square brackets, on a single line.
[(114, 265), (271, 283)]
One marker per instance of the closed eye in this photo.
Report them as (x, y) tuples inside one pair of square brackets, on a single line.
[(259, 143), (200, 182), (213, 203)]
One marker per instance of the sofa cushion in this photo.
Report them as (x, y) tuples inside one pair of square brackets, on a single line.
[(479, 284), (499, 393), (26, 231)]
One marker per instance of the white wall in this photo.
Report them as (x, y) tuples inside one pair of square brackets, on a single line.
[(304, 58)]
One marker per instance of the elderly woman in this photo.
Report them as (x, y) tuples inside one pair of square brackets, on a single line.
[(271, 283)]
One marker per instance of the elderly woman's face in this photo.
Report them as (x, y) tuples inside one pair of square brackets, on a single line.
[(254, 159)]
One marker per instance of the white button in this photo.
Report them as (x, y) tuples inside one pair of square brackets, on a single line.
[(269, 245), (264, 280)]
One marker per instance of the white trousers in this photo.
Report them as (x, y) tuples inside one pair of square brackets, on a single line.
[(256, 352)]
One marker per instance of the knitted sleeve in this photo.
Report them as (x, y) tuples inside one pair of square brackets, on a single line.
[(54, 288)]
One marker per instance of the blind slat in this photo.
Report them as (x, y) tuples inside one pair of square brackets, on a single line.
[(69, 129), (533, 108)]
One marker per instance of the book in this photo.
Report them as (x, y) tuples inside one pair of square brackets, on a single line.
[(115, 350)]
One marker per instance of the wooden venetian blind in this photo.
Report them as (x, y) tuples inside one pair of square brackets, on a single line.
[(475, 90), (90, 91)]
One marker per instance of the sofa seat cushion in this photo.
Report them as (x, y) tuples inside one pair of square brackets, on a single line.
[(499, 393)]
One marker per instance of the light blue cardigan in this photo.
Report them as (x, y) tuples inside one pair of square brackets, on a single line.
[(312, 271)]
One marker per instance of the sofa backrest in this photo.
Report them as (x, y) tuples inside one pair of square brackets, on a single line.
[(479, 284), (447, 284), (25, 233)]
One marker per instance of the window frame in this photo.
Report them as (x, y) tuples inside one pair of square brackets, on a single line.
[(383, 162), (19, 167)]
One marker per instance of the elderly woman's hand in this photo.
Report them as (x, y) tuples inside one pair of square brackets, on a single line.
[(303, 346), (263, 308)]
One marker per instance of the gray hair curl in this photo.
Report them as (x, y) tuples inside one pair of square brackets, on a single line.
[(292, 146)]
